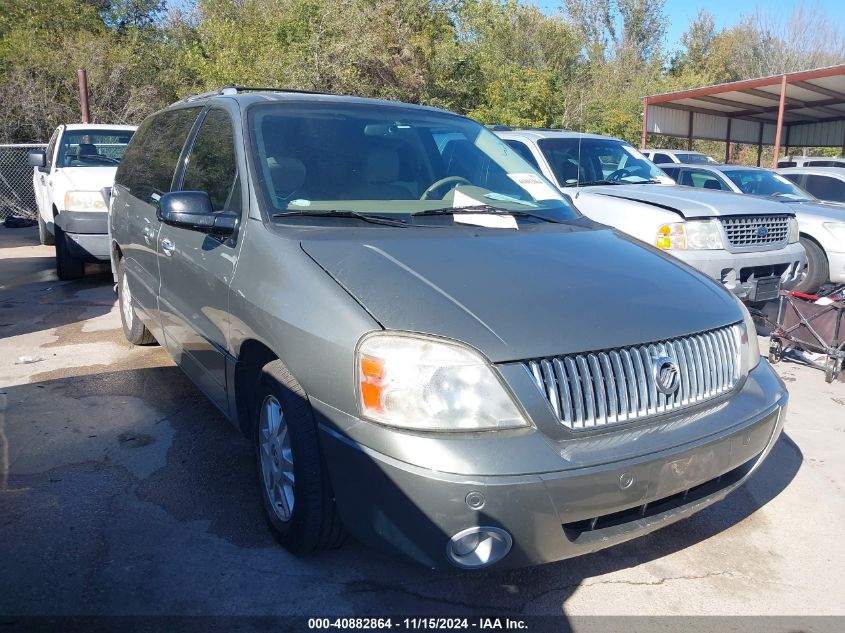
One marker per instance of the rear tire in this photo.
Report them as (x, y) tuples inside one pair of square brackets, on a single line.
[(44, 236), (818, 270), (292, 479), (133, 328), (68, 267)]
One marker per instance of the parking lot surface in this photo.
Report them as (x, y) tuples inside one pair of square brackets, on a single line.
[(123, 491)]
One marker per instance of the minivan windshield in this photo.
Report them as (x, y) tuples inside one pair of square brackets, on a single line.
[(759, 182), (92, 148), (345, 160), (596, 161)]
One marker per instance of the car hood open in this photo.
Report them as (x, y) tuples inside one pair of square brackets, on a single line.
[(688, 201), (527, 294)]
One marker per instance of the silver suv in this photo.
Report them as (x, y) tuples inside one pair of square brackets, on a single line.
[(428, 346), (749, 245)]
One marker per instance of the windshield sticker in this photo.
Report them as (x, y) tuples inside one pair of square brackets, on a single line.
[(489, 220), (301, 203), (535, 186), (462, 200)]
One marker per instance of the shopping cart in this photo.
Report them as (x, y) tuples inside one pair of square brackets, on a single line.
[(805, 325)]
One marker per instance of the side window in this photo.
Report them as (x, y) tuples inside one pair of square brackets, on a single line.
[(672, 172), (705, 180), (51, 148), (150, 160), (211, 165), (797, 179), (661, 158), (786, 163), (820, 163), (826, 188), (524, 151)]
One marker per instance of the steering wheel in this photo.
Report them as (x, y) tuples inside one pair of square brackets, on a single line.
[(619, 174), (458, 180)]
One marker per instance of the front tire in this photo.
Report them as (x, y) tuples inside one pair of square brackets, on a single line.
[(293, 482), (68, 267), (133, 328), (818, 269), (44, 236)]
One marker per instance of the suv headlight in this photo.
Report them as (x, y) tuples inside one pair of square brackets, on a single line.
[(794, 232), (84, 201), (690, 235), (749, 345), (416, 382)]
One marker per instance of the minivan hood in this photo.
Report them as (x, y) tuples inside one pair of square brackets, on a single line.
[(688, 201), (527, 294)]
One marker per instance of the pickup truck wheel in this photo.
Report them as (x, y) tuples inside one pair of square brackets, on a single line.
[(817, 267), (133, 328), (44, 236), (68, 267), (292, 478)]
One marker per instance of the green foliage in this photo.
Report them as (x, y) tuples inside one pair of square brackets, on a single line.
[(499, 61)]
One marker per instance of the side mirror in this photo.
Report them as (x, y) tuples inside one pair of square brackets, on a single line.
[(192, 210), (37, 158)]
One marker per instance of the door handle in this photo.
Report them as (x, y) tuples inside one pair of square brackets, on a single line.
[(149, 234), (167, 246)]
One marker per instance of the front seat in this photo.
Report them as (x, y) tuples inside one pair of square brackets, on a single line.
[(380, 176)]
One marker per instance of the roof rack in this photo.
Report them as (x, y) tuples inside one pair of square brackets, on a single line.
[(233, 90)]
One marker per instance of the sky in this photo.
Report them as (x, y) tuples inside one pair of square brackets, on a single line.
[(725, 12)]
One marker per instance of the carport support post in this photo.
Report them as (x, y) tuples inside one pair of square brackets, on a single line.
[(728, 142), (776, 153), (645, 123), (760, 144), (689, 132)]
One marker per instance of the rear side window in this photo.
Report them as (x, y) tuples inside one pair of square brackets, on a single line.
[(661, 158), (826, 188), (523, 150), (823, 163), (211, 165), (150, 161), (786, 163)]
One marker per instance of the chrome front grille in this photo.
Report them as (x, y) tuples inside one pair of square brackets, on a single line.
[(613, 386), (745, 231)]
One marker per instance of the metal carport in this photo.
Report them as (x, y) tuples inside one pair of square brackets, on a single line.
[(805, 108)]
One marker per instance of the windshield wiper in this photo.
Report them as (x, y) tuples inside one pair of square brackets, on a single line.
[(484, 208), (342, 213), (105, 159), (589, 183)]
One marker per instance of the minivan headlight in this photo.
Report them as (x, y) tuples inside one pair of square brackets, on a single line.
[(690, 235), (794, 231), (749, 345), (417, 382), (84, 201)]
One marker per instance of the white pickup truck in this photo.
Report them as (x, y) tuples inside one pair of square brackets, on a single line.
[(748, 244), (68, 177)]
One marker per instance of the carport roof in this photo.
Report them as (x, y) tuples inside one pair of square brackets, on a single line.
[(813, 110)]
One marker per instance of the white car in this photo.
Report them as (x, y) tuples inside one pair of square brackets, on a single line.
[(826, 183), (68, 178), (663, 156), (822, 224), (749, 245), (811, 161)]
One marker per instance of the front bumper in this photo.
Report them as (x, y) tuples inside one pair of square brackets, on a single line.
[(414, 511), (740, 272), (86, 233)]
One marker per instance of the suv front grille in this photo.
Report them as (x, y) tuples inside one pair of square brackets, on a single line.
[(603, 388), (760, 230)]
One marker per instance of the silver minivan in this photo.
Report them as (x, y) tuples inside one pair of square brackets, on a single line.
[(430, 348)]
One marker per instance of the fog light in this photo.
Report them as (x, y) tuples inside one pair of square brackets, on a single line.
[(478, 547)]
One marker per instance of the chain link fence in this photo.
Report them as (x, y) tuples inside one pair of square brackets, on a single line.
[(16, 194)]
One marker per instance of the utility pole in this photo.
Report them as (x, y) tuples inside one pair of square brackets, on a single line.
[(83, 95)]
